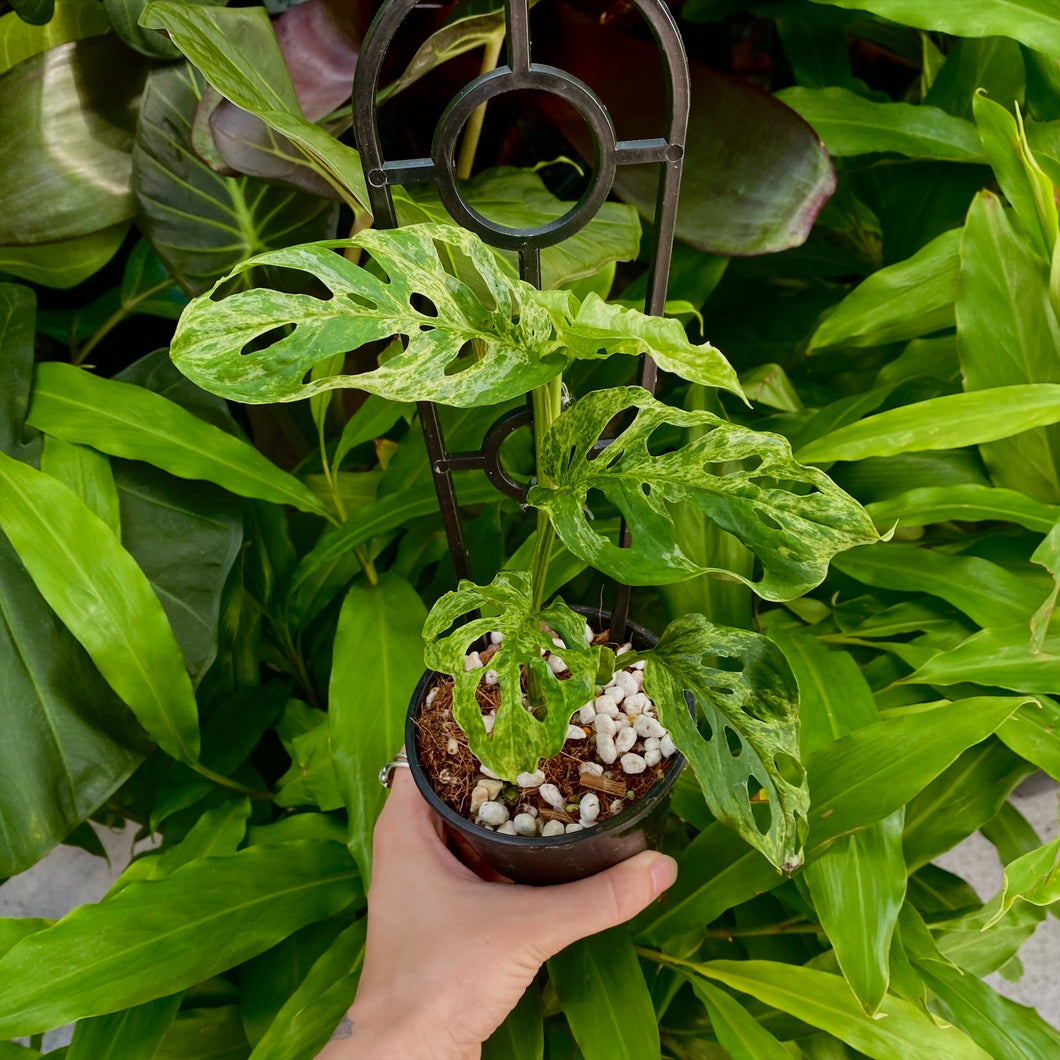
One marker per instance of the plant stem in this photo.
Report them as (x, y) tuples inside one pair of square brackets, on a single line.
[(469, 145), (227, 782), (547, 402), (124, 310)]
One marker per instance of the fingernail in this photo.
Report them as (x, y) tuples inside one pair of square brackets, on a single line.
[(663, 873)]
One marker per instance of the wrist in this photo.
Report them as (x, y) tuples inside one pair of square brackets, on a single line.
[(390, 1028)]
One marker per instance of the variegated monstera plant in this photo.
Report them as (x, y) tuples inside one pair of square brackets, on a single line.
[(466, 333)]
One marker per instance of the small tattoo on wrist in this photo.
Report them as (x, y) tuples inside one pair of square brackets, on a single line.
[(343, 1030)]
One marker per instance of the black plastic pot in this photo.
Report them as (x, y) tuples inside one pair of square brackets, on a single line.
[(556, 859)]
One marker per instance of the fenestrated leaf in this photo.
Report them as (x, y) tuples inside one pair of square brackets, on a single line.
[(132, 1032), (155, 938), (605, 998), (104, 599), (86, 473), (825, 1001), (66, 263), (305, 1022), (1007, 334), (1034, 22), (376, 662), (902, 301), (738, 1032), (854, 781), (518, 198), (519, 739), (199, 223), (794, 535), (850, 124), (73, 20), (987, 593), (521, 1035), (66, 119), (947, 422), (748, 735), (131, 421), (968, 503)]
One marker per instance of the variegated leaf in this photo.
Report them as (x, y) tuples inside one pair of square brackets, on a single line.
[(748, 735), (794, 518), (520, 738)]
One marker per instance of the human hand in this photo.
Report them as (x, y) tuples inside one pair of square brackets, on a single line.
[(448, 954)]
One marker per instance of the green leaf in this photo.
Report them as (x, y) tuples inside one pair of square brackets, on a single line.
[(854, 781), (966, 503), (67, 263), (747, 738), (1007, 334), (993, 63), (1031, 733), (376, 662), (304, 1024), (794, 535), (1034, 22), (87, 473), (35, 12), (155, 938), (858, 886), (124, 16), (81, 95), (15, 928), (947, 422), (201, 224), (1033, 878), (902, 301), (519, 739), (214, 1033), (310, 781), (521, 1035), (104, 599), (133, 1032), (73, 20), (607, 1003), (252, 75), (130, 421), (825, 1001), (850, 124), (372, 420), (738, 1032), (988, 594)]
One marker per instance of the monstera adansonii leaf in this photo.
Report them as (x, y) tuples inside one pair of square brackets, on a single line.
[(793, 518), (519, 738), (747, 740), (463, 345)]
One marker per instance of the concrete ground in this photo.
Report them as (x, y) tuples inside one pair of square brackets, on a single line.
[(69, 877)]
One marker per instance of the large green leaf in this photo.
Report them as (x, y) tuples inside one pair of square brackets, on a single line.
[(969, 503), (987, 593), (237, 52), (854, 782), (850, 124), (209, 1033), (308, 1017), (947, 422), (310, 780), (519, 739), (1032, 878), (1004, 657), (66, 263), (130, 421), (199, 223), (1031, 733), (104, 599), (823, 1000), (793, 534), (87, 473), (992, 63), (1034, 22), (73, 20), (738, 1032), (66, 120), (132, 1032), (902, 301), (601, 987), (747, 737), (376, 662), (521, 1035), (155, 938), (1007, 334)]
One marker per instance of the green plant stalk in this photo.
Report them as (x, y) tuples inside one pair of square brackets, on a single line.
[(126, 309), (469, 145), (547, 401)]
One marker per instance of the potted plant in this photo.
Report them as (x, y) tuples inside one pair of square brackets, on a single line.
[(464, 333)]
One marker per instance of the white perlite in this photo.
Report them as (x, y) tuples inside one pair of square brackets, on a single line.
[(666, 745), (648, 727), (492, 678), (574, 827), (575, 733), (556, 664), (635, 704), (605, 748), (494, 813), (589, 808), (652, 756), (531, 780), (587, 713), (552, 828), (592, 768), (632, 763), (604, 725), (508, 828), (625, 740), (552, 795), (496, 638), (525, 824), (472, 661), (606, 704)]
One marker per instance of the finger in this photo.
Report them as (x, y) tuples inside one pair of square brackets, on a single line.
[(571, 911)]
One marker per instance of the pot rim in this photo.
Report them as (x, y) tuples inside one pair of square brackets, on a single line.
[(618, 822)]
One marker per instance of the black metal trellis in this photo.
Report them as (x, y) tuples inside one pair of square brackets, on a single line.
[(520, 73)]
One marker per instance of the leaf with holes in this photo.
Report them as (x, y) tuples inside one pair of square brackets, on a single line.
[(748, 737), (793, 534), (518, 348), (519, 738)]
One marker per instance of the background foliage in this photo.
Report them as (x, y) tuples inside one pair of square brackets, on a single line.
[(210, 614)]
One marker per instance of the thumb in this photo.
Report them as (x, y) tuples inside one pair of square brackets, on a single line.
[(571, 911)]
